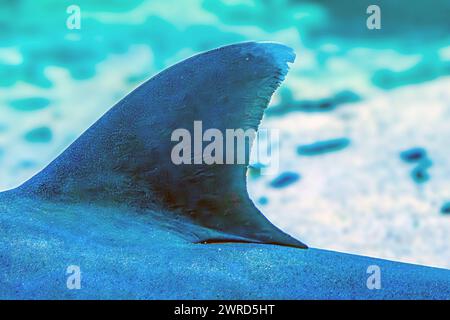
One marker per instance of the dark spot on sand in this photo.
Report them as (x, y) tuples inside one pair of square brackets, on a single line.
[(413, 154), (420, 172), (263, 200), (288, 104), (29, 104), (39, 135), (285, 179), (321, 147), (446, 208), (418, 156)]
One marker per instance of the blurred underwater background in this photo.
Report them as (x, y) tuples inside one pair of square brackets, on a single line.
[(364, 115)]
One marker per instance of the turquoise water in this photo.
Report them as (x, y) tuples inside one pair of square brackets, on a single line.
[(37, 37)]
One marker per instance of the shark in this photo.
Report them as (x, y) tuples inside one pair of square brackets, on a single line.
[(138, 226)]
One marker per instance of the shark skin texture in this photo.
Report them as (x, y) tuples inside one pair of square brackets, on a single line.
[(140, 227)]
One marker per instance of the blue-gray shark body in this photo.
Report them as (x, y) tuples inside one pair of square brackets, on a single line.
[(139, 226)]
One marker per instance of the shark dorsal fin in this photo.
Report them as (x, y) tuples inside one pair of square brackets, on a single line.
[(125, 157)]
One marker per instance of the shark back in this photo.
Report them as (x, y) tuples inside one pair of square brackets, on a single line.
[(125, 157)]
